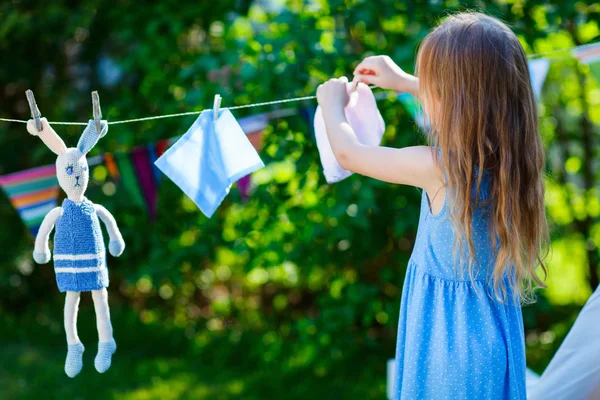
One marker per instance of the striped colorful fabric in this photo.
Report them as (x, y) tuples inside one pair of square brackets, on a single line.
[(155, 150), (111, 166), (588, 53), (33, 193), (253, 126), (145, 175), (129, 180)]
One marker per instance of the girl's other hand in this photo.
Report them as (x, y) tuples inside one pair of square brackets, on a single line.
[(333, 95), (383, 72)]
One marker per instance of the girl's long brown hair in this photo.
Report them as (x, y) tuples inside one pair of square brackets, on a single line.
[(475, 86)]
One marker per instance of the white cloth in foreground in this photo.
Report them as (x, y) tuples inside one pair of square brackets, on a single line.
[(366, 122), (574, 371)]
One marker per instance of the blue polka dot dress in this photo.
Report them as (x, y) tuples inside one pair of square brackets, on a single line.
[(79, 253), (455, 341)]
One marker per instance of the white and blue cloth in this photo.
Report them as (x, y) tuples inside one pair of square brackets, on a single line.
[(79, 253), (209, 158)]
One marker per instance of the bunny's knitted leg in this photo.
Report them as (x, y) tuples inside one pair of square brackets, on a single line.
[(74, 361), (107, 345)]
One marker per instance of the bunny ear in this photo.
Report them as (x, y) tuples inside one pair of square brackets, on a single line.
[(48, 136), (89, 137)]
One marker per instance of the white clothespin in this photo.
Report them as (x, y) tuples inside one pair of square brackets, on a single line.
[(35, 111), (216, 107), (97, 112)]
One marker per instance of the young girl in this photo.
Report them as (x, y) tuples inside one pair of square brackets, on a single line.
[(482, 230)]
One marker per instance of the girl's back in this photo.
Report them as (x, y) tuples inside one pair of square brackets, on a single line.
[(455, 340), (435, 246)]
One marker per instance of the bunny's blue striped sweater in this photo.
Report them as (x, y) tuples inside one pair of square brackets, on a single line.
[(79, 253)]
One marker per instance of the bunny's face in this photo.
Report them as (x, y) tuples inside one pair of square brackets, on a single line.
[(73, 173), (71, 165)]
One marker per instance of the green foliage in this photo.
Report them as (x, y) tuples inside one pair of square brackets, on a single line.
[(302, 265), (167, 366)]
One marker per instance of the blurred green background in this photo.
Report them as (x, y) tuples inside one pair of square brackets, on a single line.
[(294, 294)]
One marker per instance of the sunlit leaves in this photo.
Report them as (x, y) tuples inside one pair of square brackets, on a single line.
[(588, 31), (301, 260), (567, 281)]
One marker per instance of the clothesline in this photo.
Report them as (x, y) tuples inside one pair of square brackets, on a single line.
[(559, 51), (268, 103), (275, 114)]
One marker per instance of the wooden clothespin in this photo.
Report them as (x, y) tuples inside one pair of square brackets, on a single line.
[(216, 107), (35, 111), (97, 112), (354, 84)]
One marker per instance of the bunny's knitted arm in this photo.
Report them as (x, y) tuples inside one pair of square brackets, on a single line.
[(41, 252), (116, 244)]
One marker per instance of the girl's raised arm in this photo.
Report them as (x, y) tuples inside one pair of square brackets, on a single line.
[(413, 166), (383, 72)]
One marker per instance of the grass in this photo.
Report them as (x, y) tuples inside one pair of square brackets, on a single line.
[(155, 362)]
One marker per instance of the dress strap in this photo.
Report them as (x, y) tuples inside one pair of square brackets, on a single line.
[(430, 202)]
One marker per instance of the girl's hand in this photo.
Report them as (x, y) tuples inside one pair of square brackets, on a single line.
[(333, 95), (383, 72)]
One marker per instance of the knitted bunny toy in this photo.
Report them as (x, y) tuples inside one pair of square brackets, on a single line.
[(79, 253)]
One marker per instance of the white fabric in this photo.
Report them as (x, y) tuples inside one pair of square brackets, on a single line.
[(72, 171), (574, 371), (48, 136), (391, 369), (364, 119), (111, 225), (71, 309), (105, 331), (76, 257), (41, 240), (531, 379), (77, 270)]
